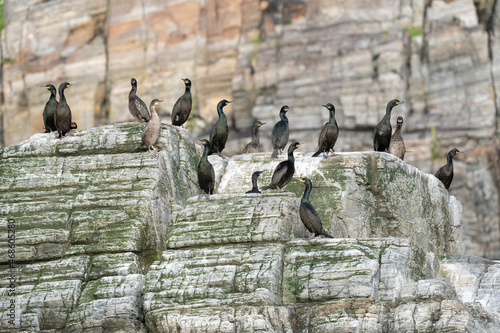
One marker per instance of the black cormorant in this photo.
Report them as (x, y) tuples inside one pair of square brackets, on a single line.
[(280, 133), (152, 130), (254, 145), (284, 171), (445, 173), (73, 126), (383, 130), (308, 214), (49, 110), (218, 135), (255, 187), (397, 145), (182, 108), (136, 106), (62, 117), (206, 173), (329, 133)]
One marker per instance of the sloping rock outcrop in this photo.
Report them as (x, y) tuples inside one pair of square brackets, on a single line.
[(108, 240)]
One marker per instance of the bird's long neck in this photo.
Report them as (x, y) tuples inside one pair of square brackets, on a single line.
[(283, 116), (388, 111), (206, 150), (291, 158), (254, 182), (398, 129), (133, 91), (187, 90), (221, 113), (332, 116), (255, 135), (307, 191), (53, 94), (62, 98), (449, 163)]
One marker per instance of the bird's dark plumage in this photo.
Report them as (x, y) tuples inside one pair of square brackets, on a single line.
[(308, 214), (281, 132), (73, 126), (219, 133), (182, 108), (62, 116), (136, 106), (254, 145), (284, 171), (255, 187), (445, 173), (397, 145), (329, 133), (49, 110), (383, 130), (206, 173), (152, 130)]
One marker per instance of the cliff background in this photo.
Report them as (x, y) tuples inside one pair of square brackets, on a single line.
[(442, 57)]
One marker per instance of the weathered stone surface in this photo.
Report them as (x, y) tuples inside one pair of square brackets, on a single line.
[(114, 241)]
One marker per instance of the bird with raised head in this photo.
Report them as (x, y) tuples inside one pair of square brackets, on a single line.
[(281, 132), (182, 108), (220, 131), (329, 133), (397, 145), (445, 173), (206, 173), (49, 110), (254, 145), (136, 105), (383, 130), (152, 130), (308, 214), (62, 116)]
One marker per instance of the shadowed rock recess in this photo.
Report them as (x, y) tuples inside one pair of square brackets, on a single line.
[(113, 241)]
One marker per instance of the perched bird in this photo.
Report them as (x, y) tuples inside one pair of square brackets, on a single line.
[(182, 108), (49, 110), (62, 117), (206, 173), (445, 173), (284, 171), (152, 130), (397, 145), (308, 214), (281, 132), (329, 133), (254, 145), (73, 125), (218, 135), (383, 130), (255, 188), (136, 106)]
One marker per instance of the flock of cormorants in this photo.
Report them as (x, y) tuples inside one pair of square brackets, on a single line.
[(57, 117)]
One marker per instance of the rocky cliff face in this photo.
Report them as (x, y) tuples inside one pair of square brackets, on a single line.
[(112, 241), (440, 56)]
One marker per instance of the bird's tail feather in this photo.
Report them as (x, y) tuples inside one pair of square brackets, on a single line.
[(275, 153), (327, 235), (316, 153), (267, 187)]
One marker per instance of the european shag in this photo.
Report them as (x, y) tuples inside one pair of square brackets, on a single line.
[(152, 130), (254, 145), (73, 126), (397, 145), (62, 116), (49, 110), (445, 173), (206, 173), (329, 133), (255, 187), (308, 214), (182, 108), (136, 106), (281, 132), (383, 130), (218, 135), (284, 171)]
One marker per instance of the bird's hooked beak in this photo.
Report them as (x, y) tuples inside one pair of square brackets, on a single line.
[(159, 101), (299, 179), (262, 124), (400, 102), (229, 102)]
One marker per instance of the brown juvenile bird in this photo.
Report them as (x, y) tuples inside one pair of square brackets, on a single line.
[(397, 145), (182, 108), (62, 117), (206, 173), (152, 130), (445, 173), (254, 145), (136, 106), (49, 110), (308, 214)]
